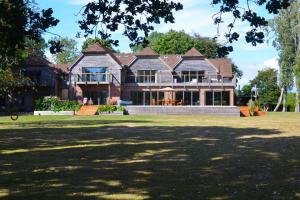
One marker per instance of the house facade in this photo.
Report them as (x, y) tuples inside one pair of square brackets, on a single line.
[(47, 80), (147, 78)]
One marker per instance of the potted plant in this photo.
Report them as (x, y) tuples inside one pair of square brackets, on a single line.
[(251, 105)]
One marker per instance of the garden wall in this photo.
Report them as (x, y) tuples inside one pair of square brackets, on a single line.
[(184, 110)]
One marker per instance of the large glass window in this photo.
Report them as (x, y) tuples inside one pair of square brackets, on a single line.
[(154, 99), (209, 98), (146, 76), (225, 98), (196, 98), (97, 97), (94, 74), (147, 98), (217, 98), (192, 76), (187, 98), (137, 98)]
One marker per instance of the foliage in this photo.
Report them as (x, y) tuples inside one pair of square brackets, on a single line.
[(151, 40), (137, 18), (283, 28), (290, 101), (179, 42), (110, 108), (251, 105), (11, 80), (54, 104), (246, 90), (69, 51), (21, 20), (236, 70), (267, 84), (22, 25), (90, 41)]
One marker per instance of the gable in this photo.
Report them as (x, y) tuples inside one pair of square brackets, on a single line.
[(195, 65), (95, 60), (149, 63)]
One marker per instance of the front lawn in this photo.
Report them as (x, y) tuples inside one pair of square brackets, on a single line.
[(150, 157)]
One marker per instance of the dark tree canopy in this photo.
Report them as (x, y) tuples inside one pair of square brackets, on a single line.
[(236, 70), (135, 16), (102, 17), (21, 21), (21, 27)]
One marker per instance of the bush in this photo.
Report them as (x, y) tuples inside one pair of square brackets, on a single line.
[(54, 104), (251, 106), (110, 108)]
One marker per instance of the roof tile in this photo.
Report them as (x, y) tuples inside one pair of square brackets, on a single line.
[(193, 52), (147, 52), (224, 66), (95, 48)]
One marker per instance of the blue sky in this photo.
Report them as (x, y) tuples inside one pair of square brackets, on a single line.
[(196, 17)]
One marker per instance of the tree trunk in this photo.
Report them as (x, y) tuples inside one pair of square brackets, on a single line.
[(279, 100), (284, 102), (297, 109)]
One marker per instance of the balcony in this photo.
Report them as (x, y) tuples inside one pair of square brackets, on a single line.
[(185, 80), (91, 78)]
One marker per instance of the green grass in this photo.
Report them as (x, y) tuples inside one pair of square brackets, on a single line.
[(150, 157)]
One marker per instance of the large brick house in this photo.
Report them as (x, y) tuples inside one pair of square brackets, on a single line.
[(144, 78), (147, 78)]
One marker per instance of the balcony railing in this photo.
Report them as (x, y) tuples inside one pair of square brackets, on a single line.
[(162, 79), (100, 78)]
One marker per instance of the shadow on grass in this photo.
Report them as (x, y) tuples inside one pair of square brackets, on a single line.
[(120, 162), (71, 123)]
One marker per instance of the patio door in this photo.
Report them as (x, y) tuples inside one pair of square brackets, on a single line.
[(97, 97)]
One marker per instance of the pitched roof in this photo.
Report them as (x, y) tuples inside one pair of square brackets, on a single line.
[(224, 66), (37, 60), (60, 68), (96, 48), (193, 52), (125, 58), (171, 60), (147, 52)]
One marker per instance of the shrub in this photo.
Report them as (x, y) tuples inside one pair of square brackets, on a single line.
[(54, 104), (251, 106), (110, 108)]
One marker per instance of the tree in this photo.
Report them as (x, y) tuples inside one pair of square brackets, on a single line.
[(236, 70), (266, 82), (90, 41), (286, 42), (68, 53), (246, 90), (151, 40), (22, 26), (138, 17), (179, 42), (173, 42)]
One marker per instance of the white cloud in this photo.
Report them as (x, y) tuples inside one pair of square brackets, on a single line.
[(272, 63), (250, 70)]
